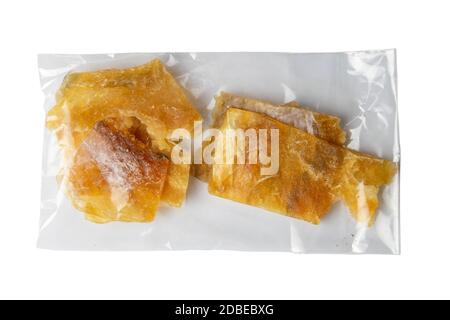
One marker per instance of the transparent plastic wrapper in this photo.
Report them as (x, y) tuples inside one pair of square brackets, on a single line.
[(113, 121)]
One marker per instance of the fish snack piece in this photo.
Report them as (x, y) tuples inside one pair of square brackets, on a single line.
[(313, 174), (147, 93), (322, 125), (115, 175)]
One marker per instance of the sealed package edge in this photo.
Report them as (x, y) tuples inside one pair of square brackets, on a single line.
[(224, 151)]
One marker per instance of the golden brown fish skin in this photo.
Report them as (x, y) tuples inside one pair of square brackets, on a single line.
[(321, 125), (148, 93), (313, 174), (115, 176)]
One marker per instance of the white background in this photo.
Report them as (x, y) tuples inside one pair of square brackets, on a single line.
[(418, 30)]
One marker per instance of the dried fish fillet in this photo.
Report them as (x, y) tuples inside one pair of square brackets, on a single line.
[(115, 175), (148, 93), (149, 75), (313, 174), (321, 125)]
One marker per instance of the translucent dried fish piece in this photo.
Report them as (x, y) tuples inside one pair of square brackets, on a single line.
[(148, 93), (321, 125), (115, 175), (313, 174), (149, 75)]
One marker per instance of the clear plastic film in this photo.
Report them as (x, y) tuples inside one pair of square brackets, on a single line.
[(116, 131)]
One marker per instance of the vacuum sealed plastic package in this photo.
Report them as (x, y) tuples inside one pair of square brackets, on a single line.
[(225, 151)]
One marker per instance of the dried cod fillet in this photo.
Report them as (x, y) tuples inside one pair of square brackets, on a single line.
[(321, 125), (148, 93), (115, 176), (313, 174)]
